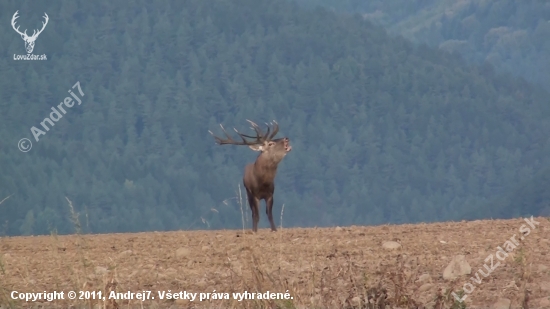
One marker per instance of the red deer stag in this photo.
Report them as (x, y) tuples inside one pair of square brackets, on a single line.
[(259, 176)]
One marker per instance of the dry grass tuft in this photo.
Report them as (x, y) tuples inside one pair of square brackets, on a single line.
[(110, 287)]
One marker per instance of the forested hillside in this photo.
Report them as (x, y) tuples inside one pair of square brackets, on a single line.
[(511, 35), (382, 131), (530, 196)]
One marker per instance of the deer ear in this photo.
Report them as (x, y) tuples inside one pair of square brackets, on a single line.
[(257, 147)]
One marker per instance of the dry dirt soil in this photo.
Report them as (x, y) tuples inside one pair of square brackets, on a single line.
[(319, 267)]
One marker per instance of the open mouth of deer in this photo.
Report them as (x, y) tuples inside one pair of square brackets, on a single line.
[(287, 145)]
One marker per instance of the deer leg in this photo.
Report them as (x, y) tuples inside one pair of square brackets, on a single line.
[(255, 207), (269, 210)]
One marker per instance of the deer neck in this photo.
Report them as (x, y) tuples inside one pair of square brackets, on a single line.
[(265, 169)]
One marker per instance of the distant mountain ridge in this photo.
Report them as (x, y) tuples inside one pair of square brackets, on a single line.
[(511, 35)]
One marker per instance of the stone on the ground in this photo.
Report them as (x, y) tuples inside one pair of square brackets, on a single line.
[(456, 268), (391, 245)]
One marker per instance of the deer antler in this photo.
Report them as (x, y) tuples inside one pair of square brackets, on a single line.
[(275, 130), (267, 137), (43, 25), (13, 24), (231, 141), (260, 137), (34, 33)]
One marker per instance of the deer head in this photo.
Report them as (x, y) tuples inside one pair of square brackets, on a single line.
[(29, 40), (274, 150)]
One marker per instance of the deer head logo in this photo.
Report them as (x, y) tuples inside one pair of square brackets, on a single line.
[(29, 40)]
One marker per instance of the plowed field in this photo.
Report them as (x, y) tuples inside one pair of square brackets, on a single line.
[(319, 267)]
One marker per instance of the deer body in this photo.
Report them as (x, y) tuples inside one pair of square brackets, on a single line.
[(259, 177)]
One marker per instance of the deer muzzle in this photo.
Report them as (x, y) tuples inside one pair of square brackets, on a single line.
[(287, 145)]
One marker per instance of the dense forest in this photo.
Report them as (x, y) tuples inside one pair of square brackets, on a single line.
[(382, 130), (511, 35)]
